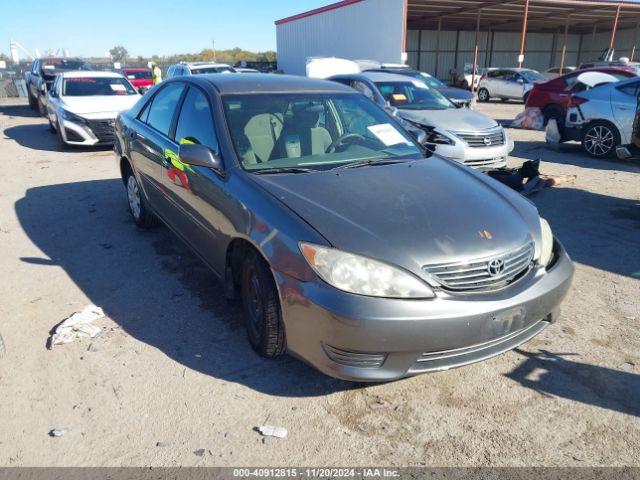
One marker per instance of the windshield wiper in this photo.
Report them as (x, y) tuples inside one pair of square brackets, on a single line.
[(268, 171), (368, 163)]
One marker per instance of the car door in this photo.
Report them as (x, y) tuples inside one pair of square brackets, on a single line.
[(196, 195), (624, 101), (150, 138), (494, 83), (513, 85)]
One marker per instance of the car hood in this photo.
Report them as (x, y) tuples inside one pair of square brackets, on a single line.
[(456, 93), (410, 214), (455, 119), (99, 104)]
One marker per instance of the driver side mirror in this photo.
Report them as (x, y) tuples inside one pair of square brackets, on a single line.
[(194, 154), (520, 81)]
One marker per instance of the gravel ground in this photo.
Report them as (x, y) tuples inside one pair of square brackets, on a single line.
[(172, 380)]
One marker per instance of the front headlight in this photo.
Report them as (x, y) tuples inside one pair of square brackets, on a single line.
[(546, 249), (72, 117), (363, 276), (436, 138)]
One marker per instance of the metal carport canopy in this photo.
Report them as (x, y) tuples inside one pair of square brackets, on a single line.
[(507, 15)]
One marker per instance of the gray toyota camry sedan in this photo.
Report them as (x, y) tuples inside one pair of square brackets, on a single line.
[(349, 246)]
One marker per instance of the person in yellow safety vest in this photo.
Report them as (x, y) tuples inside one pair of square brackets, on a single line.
[(156, 73)]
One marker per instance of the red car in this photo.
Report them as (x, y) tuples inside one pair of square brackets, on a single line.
[(553, 97), (138, 76)]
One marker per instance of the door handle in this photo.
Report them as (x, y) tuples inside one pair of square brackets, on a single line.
[(132, 135)]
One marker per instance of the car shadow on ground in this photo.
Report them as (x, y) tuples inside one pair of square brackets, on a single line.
[(146, 281), (19, 110), (556, 374), (37, 136), (571, 154)]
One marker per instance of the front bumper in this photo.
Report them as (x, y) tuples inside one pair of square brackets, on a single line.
[(93, 132), (342, 334), (482, 158)]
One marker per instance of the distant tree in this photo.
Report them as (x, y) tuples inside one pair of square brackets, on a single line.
[(118, 54)]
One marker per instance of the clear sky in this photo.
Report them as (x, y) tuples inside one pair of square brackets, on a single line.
[(144, 27)]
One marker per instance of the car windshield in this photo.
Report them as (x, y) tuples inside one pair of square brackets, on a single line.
[(138, 74), (90, 86), (312, 131), (533, 76), (413, 95), (64, 64), (201, 70), (433, 82)]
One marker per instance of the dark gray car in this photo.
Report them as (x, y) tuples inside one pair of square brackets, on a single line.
[(348, 244)]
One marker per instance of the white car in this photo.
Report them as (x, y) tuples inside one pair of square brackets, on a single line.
[(508, 84), (460, 134), (197, 68), (602, 117), (82, 106)]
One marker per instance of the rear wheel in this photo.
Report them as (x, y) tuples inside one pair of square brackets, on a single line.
[(141, 214), (552, 111), (600, 139), (261, 307), (483, 95)]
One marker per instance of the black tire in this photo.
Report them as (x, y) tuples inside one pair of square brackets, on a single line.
[(42, 108), (261, 308), (483, 95), (552, 110), (52, 129), (600, 139), (138, 208), (33, 102)]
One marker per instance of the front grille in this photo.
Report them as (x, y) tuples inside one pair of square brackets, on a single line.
[(488, 162), (104, 130), (493, 137), (485, 274)]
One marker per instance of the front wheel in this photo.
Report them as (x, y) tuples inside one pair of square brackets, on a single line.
[(33, 102), (600, 139), (483, 95), (261, 307)]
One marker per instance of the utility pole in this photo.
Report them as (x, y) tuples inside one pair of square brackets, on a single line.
[(213, 46)]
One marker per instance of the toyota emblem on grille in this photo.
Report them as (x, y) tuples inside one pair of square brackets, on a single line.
[(495, 267), (487, 141)]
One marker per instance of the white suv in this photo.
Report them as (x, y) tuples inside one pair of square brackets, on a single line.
[(195, 68)]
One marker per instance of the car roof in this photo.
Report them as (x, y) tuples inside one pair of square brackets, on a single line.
[(89, 73), (135, 69), (206, 64), (386, 77), (260, 82)]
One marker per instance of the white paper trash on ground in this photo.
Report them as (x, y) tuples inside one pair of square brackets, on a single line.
[(77, 325), (271, 431), (531, 118), (552, 134)]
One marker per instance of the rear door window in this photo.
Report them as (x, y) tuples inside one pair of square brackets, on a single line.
[(630, 89), (163, 107)]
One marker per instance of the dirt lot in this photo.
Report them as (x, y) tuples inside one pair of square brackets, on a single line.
[(172, 373)]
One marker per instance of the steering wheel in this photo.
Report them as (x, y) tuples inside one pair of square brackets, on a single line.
[(347, 137)]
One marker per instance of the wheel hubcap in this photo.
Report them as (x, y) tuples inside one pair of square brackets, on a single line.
[(598, 140), (133, 194)]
